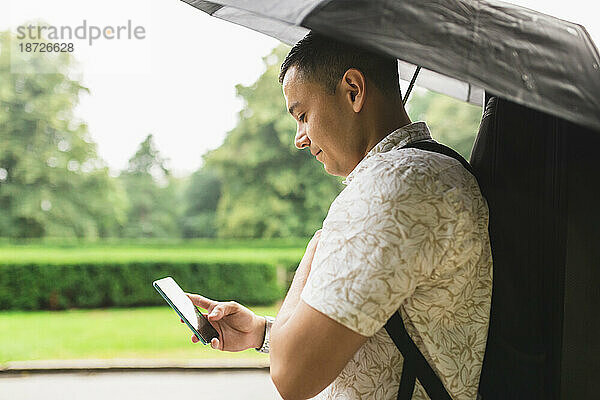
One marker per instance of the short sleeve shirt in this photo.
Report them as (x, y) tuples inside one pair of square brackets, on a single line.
[(409, 232)]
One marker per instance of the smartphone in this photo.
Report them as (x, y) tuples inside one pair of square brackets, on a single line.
[(189, 313)]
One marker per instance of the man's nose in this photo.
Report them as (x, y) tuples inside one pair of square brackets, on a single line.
[(301, 140)]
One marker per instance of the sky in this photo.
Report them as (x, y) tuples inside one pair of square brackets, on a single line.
[(177, 80), (178, 83)]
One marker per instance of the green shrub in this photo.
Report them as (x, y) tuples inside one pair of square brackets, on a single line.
[(128, 284)]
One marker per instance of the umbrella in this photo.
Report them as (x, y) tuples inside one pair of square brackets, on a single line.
[(464, 47)]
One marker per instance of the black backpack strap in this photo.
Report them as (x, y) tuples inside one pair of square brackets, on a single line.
[(415, 365), (440, 148)]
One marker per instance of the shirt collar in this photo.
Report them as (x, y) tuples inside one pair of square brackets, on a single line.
[(399, 138)]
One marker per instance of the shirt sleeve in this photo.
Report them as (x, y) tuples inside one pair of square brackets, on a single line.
[(374, 251)]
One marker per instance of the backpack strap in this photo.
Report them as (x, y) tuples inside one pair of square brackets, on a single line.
[(440, 148), (415, 365)]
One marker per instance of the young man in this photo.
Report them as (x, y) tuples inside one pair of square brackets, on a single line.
[(408, 233)]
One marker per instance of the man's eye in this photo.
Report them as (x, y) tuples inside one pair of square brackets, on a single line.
[(301, 118)]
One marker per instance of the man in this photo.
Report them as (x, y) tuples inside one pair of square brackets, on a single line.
[(408, 233)]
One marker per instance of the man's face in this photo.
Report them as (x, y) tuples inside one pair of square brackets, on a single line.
[(324, 123)]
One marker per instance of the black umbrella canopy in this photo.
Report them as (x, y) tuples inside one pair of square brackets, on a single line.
[(463, 46)]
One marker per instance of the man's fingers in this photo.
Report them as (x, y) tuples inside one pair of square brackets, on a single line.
[(221, 310), (201, 301), (315, 239), (216, 313), (215, 344)]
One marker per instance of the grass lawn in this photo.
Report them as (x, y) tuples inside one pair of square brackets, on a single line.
[(123, 250), (153, 332), (107, 254)]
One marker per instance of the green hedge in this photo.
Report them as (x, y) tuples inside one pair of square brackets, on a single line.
[(129, 284)]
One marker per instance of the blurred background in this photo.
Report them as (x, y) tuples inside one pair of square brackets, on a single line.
[(122, 163)]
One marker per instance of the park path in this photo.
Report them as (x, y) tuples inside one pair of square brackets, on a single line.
[(154, 385)]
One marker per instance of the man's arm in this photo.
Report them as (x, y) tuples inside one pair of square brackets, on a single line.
[(308, 349)]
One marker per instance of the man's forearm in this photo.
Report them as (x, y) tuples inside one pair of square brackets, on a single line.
[(285, 364), (283, 350), (293, 295)]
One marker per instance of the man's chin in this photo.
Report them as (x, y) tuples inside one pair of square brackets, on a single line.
[(333, 172)]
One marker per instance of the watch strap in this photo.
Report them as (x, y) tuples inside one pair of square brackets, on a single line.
[(266, 342)]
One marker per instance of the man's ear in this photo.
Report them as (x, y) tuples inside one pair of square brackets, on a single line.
[(354, 88)]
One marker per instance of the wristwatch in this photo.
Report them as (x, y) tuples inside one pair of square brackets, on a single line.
[(266, 345)]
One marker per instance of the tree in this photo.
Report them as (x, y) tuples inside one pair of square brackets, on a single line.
[(153, 207), (451, 121), (52, 182), (201, 199), (270, 188)]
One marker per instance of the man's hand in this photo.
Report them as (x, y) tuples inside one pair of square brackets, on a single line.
[(293, 295), (239, 328), (309, 254)]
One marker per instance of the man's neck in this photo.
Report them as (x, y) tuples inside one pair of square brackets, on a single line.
[(385, 126)]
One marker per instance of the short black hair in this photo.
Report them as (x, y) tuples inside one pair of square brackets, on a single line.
[(325, 60)]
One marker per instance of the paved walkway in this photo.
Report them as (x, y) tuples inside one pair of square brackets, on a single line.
[(147, 385)]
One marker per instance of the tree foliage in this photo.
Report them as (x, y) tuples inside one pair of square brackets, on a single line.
[(201, 199), (257, 184), (270, 188), (52, 182), (153, 210), (451, 121)]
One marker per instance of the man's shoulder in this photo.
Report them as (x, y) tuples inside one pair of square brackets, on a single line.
[(416, 160), (400, 169)]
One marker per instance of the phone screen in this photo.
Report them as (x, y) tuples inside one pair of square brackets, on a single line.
[(178, 300)]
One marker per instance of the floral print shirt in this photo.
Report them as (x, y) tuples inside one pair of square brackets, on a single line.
[(409, 232)]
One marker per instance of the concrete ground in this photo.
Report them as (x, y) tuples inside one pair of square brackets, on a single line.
[(147, 385)]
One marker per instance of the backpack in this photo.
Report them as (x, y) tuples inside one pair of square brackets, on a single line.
[(539, 175)]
